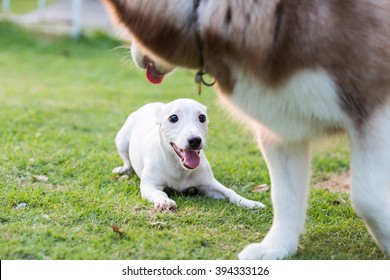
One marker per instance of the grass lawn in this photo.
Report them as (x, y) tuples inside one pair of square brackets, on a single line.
[(62, 102), (24, 6)]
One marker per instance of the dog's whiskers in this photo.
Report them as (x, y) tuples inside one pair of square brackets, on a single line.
[(127, 58), (126, 47)]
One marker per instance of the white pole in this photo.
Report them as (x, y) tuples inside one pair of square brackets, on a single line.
[(76, 18), (6, 7), (41, 7)]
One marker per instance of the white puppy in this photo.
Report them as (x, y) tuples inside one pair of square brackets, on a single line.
[(163, 144)]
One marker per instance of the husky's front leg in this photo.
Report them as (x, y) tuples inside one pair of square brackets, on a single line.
[(289, 167), (370, 166)]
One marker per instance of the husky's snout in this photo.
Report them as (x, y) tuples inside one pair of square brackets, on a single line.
[(155, 70)]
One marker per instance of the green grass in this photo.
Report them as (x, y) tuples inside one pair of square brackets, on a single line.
[(24, 6), (62, 102)]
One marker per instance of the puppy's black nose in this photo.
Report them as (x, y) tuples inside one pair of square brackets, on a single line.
[(195, 142)]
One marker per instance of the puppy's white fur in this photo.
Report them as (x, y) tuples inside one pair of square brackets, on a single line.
[(145, 145)]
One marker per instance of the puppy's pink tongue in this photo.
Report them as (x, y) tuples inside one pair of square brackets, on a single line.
[(152, 75), (191, 159)]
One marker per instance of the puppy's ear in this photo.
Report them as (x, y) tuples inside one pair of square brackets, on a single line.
[(157, 116)]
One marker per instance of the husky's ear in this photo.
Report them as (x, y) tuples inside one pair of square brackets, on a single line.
[(157, 116)]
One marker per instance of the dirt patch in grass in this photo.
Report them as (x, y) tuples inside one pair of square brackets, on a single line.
[(336, 183)]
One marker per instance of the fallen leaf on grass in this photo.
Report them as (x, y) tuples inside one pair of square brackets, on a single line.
[(40, 178), (261, 188), (117, 230)]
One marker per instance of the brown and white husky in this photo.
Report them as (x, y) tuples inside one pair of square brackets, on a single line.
[(294, 70)]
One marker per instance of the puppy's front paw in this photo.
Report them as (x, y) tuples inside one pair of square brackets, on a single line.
[(121, 170), (165, 205), (250, 204)]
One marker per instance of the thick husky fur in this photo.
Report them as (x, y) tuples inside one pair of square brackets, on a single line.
[(294, 70)]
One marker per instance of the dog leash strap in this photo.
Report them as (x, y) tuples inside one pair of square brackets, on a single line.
[(200, 80), (201, 72)]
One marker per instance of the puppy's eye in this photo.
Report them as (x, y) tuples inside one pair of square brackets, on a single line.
[(173, 119), (202, 118)]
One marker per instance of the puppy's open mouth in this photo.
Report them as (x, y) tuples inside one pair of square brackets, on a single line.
[(190, 159)]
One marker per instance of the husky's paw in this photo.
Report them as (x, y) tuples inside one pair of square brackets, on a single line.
[(121, 170), (261, 251), (166, 205)]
